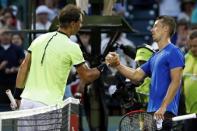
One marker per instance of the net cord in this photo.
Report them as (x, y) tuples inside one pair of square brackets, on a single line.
[(36, 111)]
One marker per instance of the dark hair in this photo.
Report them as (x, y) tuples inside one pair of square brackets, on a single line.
[(69, 14), (170, 22), (19, 34), (193, 35), (8, 10)]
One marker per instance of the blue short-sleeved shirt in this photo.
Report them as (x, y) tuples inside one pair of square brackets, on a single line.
[(158, 68)]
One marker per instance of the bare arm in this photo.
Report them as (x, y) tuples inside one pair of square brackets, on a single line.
[(23, 71), (176, 76), (135, 75), (87, 74)]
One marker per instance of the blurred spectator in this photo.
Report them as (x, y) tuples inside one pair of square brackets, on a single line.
[(119, 9), (190, 81), (182, 35), (54, 11), (9, 20), (42, 18), (14, 9), (186, 10), (17, 39), (11, 57)]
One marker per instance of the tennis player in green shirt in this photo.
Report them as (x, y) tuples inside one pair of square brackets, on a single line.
[(43, 74)]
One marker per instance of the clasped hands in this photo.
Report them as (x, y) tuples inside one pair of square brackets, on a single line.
[(112, 59)]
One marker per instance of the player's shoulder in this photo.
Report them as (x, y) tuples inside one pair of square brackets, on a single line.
[(44, 36), (73, 44), (175, 51), (173, 48)]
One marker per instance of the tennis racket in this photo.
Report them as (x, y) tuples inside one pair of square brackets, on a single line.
[(140, 120), (12, 100), (137, 120)]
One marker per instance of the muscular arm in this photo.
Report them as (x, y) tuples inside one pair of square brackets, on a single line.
[(135, 75), (87, 74), (23, 71)]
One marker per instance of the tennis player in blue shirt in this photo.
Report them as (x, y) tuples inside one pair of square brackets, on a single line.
[(164, 67)]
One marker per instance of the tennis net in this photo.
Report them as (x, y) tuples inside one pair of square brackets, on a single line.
[(50, 118)]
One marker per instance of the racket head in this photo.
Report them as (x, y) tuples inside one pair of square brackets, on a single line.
[(138, 120)]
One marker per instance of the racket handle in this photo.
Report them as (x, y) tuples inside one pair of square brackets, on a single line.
[(184, 117), (12, 100)]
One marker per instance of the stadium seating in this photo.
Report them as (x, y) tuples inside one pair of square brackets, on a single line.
[(141, 17)]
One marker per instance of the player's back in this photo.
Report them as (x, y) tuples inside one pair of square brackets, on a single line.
[(51, 60)]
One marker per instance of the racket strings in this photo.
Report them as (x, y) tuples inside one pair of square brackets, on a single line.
[(138, 122)]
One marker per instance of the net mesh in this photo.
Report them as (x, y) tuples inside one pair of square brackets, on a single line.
[(140, 121), (50, 118)]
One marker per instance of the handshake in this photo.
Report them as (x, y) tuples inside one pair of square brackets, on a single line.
[(112, 59)]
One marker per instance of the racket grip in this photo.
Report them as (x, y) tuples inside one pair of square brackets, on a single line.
[(184, 117), (12, 100)]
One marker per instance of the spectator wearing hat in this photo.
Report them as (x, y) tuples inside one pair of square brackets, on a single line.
[(144, 52), (54, 11), (42, 19)]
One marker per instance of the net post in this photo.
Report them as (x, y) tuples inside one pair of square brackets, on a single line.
[(69, 114), (73, 114)]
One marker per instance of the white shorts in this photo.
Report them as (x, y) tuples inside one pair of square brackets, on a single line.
[(29, 104)]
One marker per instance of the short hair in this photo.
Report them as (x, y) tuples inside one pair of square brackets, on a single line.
[(69, 14), (193, 35), (170, 22)]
